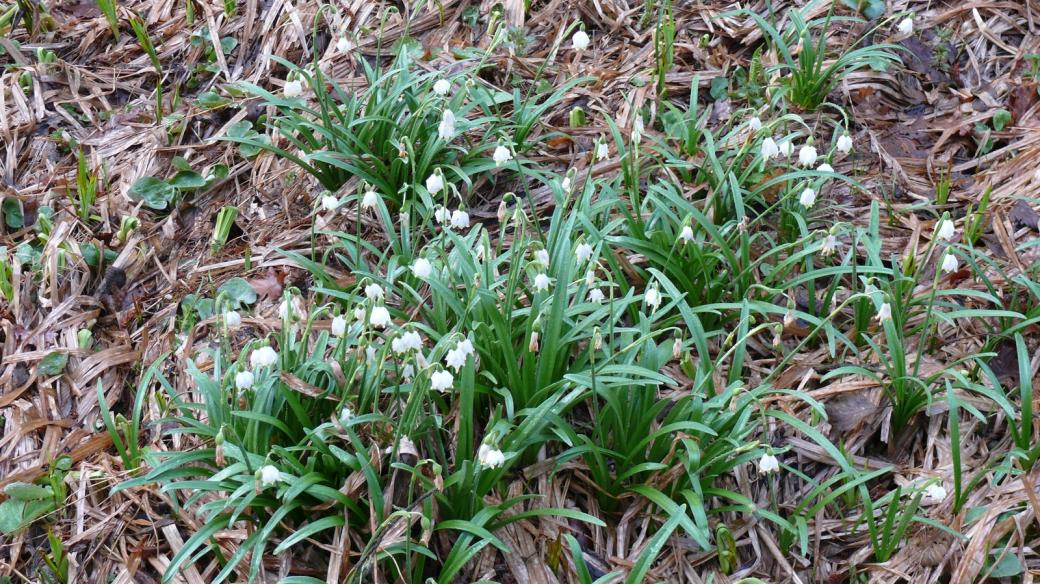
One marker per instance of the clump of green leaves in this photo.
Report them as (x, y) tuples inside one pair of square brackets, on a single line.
[(810, 76)]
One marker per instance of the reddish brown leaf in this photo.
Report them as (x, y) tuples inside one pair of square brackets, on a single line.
[(270, 285), (559, 142)]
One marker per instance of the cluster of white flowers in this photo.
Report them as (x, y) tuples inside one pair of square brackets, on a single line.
[(490, 457), (582, 253), (456, 358), (374, 291), (406, 341), (263, 357)]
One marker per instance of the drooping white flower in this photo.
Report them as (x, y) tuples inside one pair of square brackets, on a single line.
[(422, 268), (755, 124), (885, 312), (269, 475), (541, 257), (583, 252), (807, 198), (292, 88), (596, 295), (637, 129), (412, 340), (243, 380), (490, 457), (830, 244), (345, 416), (580, 41), (370, 200), (442, 87), (825, 168), (906, 26), (380, 317), (434, 183), (602, 151), (770, 149), (466, 346), (459, 219), (652, 297), (935, 493), (232, 320), (786, 148), (541, 283), (338, 327), (329, 203), (408, 372), (359, 313), (686, 235), (446, 129), (290, 308), (949, 263), (374, 291), (768, 464), (455, 359), (441, 214), (565, 184), (344, 45), (442, 380), (844, 143), (263, 357), (590, 277), (807, 155), (501, 155), (945, 230)]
